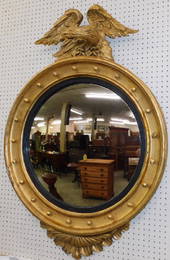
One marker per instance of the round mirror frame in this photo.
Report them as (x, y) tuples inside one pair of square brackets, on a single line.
[(114, 219)]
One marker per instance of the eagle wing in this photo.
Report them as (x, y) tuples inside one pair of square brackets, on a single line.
[(71, 18), (99, 17)]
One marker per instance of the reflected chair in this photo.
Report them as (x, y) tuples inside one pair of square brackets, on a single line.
[(75, 155), (51, 179), (74, 167), (132, 164)]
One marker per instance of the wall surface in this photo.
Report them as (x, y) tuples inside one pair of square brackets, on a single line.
[(145, 53)]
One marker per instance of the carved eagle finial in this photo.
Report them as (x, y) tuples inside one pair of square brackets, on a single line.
[(88, 40)]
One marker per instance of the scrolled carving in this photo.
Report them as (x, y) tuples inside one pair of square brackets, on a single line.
[(79, 246)]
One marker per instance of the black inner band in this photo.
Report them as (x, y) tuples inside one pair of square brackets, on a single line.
[(26, 144)]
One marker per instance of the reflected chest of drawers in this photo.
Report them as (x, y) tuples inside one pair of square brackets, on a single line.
[(97, 178)]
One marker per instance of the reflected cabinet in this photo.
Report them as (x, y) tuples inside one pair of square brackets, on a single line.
[(85, 141), (97, 178)]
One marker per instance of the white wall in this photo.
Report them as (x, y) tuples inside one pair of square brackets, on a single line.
[(146, 54)]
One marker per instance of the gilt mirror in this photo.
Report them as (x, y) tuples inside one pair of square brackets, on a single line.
[(85, 141), (84, 144)]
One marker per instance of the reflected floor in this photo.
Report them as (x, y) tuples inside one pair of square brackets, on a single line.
[(71, 192)]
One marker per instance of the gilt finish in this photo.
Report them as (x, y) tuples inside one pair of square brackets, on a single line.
[(81, 234), (79, 246), (110, 219), (88, 40)]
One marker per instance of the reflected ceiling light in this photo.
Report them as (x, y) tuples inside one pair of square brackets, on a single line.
[(56, 122), (76, 111), (117, 119), (98, 119), (130, 123), (81, 122), (32, 127), (38, 118), (89, 120), (102, 96), (41, 124), (117, 122), (131, 114), (125, 121), (75, 118)]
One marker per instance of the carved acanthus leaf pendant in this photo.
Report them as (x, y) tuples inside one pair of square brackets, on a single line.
[(89, 40), (79, 246)]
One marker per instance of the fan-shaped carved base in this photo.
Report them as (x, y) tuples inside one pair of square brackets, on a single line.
[(79, 246)]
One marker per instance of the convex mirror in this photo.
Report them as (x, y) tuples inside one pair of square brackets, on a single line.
[(82, 123)]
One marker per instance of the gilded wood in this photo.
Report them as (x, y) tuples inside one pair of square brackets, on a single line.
[(89, 40), (79, 246), (106, 223)]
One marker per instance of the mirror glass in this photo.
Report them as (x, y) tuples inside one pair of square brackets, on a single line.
[(84, 145)]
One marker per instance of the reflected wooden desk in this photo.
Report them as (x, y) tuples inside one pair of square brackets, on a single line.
[(97, 178), (58, 161)]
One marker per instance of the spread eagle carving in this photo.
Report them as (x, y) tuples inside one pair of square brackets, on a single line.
[(88, 40)]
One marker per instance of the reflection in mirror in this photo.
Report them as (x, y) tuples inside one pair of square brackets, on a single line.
[(84, 145)]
